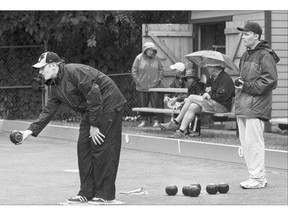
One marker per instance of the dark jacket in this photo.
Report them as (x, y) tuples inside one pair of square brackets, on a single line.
[(197, 89), (83, 89), (222, 89), (259, 72), (178, 83)]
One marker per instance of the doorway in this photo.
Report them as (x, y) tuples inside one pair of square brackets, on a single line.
[(209, 36), (212, 36)]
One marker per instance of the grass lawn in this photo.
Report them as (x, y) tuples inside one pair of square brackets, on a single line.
[(276, 141)]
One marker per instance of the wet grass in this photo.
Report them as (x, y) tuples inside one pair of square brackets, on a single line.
[(275, 140)]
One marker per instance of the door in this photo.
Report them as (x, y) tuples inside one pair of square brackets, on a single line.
[(173, 42), (211, 37)]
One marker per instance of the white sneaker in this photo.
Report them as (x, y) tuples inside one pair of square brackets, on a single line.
[(156, 124), (142, 124), (253, 184)]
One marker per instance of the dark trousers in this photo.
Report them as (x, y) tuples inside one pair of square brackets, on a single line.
[(156, 101), (98, 164)]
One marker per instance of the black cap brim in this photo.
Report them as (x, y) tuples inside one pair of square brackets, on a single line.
[(242, 29)]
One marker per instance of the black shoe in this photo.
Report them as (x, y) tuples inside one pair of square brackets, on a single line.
[(78, 199), (169, 126)]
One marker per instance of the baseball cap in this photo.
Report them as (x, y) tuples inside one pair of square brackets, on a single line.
[(46, 58), (251, 26), (191, 73), (178, 66)]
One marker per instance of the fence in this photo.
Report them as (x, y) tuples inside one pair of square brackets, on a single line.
[(21, 94), (18, 97), (127, 87)]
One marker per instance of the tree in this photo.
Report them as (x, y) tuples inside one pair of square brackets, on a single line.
[(106, 40)]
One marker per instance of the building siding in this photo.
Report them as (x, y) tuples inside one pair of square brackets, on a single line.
[(279, 43), (279, 39)]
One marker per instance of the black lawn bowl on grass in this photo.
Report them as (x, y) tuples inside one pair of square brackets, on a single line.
[(196, 184), (223, 188), (274, 141), (16, 137), (171, 190), (212, 188), (185, 189), (193, 191)]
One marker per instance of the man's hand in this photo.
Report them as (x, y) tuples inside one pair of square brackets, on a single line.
[(208, 89), (206, 96), (25, 135), (96, 135)]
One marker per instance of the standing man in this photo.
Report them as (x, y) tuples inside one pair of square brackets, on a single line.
[(253, 101), (147, 72), (98, 99)]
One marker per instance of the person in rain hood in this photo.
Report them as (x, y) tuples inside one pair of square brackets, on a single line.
[(99, 101), (147, 72), (253, 101)]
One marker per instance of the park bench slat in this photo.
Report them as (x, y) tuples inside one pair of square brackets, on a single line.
[(228, 114), (155, 110), (282, 123), (170, 111), (279, 121), (169, 90)]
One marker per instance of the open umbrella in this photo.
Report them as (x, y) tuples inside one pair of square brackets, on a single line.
[(204, 57)]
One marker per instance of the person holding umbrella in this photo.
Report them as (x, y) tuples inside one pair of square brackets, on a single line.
[(218, 99), (253, 101)]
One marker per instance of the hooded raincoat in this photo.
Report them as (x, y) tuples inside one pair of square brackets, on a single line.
[(147, 72), (259, 73)]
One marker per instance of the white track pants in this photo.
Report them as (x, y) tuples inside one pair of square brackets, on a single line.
[(251, 135)]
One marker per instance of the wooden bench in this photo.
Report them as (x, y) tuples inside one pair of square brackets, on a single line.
[(224, 116), (155, 110), (220, 117), (169, 90), (281, 122)]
